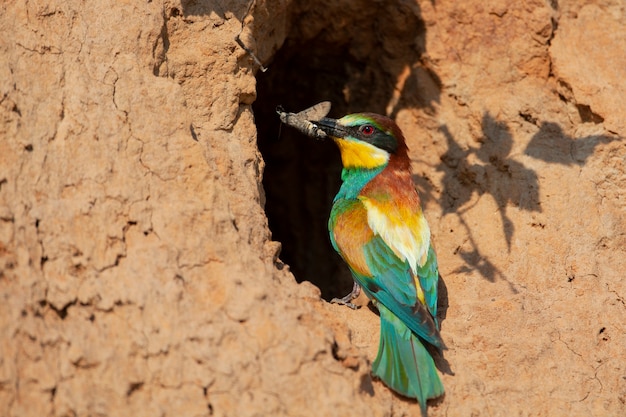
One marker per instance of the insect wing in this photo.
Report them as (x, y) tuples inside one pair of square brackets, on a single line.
[(316, 112), (303, 121)]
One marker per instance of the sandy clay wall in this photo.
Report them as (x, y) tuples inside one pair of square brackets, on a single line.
[(163, 242)]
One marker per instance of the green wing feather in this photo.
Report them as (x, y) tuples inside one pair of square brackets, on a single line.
[(392, 284), (429, 278)]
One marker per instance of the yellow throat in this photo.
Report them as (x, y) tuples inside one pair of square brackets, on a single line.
[(360, 154)]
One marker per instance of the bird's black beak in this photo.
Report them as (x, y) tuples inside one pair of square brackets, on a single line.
[(331, 127)]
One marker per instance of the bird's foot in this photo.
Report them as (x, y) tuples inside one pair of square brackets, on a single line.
[(347, 300)]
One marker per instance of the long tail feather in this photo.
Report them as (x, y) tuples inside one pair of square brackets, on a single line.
[(403, 363)]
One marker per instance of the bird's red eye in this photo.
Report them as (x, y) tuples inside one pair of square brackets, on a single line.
[(367, 129)]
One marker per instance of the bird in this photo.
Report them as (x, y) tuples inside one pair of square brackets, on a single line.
[(378, 227)]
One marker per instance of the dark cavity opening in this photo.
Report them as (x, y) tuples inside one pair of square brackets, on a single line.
[(353, 55)]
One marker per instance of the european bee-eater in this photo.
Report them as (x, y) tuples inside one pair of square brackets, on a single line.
[(378, 227)]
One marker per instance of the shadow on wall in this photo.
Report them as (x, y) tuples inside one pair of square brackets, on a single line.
[(507, 181), (552, 145)]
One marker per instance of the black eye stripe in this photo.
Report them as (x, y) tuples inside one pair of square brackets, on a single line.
[(378, 138)]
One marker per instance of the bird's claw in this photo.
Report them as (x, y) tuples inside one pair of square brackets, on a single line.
[(347, 300), (344, 302)]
